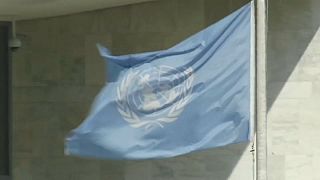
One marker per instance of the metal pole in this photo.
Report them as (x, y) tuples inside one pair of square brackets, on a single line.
[(261, 124)]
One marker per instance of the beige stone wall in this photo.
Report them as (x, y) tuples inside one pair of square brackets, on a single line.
[(58, 71), (294, 90)]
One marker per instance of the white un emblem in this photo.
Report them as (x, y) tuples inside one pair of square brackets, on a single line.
[(155, 96)]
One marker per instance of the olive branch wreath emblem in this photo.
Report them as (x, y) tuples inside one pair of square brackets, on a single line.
[(134, 120)]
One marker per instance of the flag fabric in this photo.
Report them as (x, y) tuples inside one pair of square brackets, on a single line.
[(193, 96)]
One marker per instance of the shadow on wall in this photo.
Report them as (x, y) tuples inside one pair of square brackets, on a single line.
[(214, 164), (292, 25)]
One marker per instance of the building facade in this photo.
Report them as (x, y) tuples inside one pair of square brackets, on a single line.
[(58, 71)]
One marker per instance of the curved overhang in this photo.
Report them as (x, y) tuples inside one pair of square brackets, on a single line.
[(30, 9)]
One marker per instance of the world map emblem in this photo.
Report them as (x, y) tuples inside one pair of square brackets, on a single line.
[(155, 96)]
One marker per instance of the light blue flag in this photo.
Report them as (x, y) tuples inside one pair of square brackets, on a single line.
[(193, 96)]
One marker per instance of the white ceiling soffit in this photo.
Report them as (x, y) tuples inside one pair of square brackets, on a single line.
[(29, 9)]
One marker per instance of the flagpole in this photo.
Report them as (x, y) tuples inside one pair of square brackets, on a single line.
[(261, 122)]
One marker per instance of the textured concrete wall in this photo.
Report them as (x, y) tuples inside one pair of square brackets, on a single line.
[(58, 71), (294, 90)]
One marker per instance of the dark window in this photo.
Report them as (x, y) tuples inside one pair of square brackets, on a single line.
[(4, 100)]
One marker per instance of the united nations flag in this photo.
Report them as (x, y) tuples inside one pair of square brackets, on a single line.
[(195, 95)]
